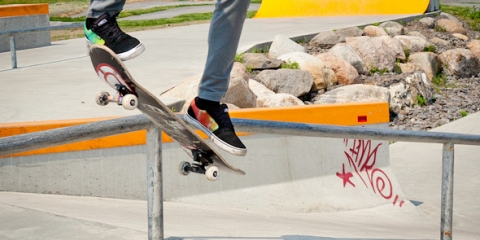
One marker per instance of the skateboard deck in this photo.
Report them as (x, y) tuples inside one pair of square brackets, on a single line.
[(132, 95)]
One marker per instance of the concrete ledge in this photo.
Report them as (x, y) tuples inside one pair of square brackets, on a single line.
[(24, 16), (23, 9)]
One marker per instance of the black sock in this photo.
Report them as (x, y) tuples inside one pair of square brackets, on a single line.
[(89, 22), (206, 104)]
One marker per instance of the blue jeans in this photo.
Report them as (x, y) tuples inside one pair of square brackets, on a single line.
[(223, 39), (99, 7)]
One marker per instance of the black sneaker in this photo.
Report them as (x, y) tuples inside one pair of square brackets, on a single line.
[(105, 30), (215, 122)]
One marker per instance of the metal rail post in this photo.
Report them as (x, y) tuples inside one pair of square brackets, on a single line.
[(447, 191), (13, 51), (154, 184), (13, 48)]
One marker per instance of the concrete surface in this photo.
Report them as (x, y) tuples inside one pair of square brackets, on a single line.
[(57, 82)]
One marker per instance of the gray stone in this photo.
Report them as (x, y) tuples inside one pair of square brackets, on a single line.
[(282, 45), (294, 82), (260, 61)]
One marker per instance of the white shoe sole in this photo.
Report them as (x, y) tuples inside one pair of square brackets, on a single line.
[(217, 141), (132, 53)]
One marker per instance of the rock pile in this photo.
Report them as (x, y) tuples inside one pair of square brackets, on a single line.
[(427, 70)]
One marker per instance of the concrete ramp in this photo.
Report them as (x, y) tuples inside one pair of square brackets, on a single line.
[(314, 8), (296, 174)]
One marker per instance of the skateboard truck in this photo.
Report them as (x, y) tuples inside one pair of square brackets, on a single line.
[(201, 165), (122, 97)]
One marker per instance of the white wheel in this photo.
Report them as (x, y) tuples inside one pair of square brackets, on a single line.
[(212, 173), (129, 101), (184, 168), (102, 98)]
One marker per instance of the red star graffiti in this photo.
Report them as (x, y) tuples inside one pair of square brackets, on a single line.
[(345, 176)]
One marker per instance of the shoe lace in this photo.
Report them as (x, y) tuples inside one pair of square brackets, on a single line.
[(113, 31)]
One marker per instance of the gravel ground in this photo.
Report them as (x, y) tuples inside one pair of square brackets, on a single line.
[(454, 99)]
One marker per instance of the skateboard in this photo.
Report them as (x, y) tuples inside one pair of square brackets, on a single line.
[(131, 95)]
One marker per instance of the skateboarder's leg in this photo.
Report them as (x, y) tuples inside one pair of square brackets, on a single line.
[(101, 28), (223, 39), (98, 7), (224, 36)]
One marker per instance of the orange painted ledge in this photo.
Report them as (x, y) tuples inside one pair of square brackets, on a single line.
[(14, 10), (334, 114)]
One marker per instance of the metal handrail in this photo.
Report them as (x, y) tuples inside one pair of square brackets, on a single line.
[(12, 33), (37, 140), (49, 28), (31, 141)]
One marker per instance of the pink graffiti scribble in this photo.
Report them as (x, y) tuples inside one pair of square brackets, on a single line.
[(362, 159)]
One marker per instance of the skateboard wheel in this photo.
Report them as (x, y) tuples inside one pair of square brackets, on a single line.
[(185, 168), (102, 98), (212, 173), (129, 101)]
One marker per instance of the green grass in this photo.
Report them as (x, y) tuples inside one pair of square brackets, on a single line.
[(128, 13), (155, 9), (193, 17), (469, 14), (463, 113), (184, 18), (128, 26)]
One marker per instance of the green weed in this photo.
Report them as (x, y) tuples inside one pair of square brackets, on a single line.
[(440, 28), (374, 70), (239, 57), (397, 69), (421, 100), (260, 50), (406, 51), (430, 48), (290, 65), (440, 80)]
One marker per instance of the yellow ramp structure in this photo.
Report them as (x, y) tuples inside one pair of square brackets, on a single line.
[(314, 8)]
